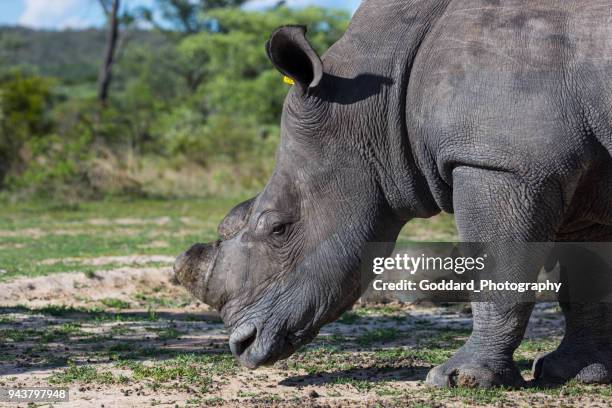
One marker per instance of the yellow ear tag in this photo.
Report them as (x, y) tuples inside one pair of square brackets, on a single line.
[(288, 80)]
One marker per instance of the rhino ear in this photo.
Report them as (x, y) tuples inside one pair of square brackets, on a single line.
[(292, 55)]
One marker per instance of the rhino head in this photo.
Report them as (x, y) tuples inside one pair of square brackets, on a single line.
[(287, 261)]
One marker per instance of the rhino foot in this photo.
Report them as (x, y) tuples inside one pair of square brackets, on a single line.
[(564, 364), (467, 370)]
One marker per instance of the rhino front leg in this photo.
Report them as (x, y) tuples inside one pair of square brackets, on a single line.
[(485, 360), (497, 209)]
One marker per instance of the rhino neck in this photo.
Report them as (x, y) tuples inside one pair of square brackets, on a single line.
[(382, 42)]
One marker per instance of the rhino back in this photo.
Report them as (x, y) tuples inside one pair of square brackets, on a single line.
[(516, 86)]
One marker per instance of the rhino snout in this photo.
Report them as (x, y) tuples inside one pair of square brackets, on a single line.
[(194, 270)]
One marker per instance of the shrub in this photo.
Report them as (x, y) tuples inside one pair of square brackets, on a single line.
[(24, 104)]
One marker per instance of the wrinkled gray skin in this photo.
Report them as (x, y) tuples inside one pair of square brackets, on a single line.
[(500, 112)]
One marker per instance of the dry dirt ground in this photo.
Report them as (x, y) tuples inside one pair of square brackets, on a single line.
[(129, 337), (88, 303)]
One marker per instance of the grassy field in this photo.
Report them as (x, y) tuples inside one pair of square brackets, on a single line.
[(34, 232), (88, 303)]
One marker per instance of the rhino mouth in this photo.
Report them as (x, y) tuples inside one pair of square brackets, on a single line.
[(241, 344), (254, 346)]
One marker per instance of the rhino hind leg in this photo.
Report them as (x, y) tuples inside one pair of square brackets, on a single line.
[(585, 353)]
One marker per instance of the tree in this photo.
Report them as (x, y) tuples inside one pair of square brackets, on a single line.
[(115, 39), (111, 9), (183, 18), (186, 17)]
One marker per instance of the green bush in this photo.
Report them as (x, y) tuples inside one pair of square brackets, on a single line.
[(199, 110), (24, 107)]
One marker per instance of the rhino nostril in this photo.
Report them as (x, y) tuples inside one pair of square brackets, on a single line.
[(242, 338)]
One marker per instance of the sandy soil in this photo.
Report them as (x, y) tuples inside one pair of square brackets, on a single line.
[(397, 382)]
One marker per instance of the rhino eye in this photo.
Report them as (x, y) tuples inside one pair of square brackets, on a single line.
[(279, 229)]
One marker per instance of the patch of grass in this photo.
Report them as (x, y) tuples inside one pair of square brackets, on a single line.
[(163, 373), (422, 323), (444, 338), (440, 228), (398, 319), (160, 374), (40, 231), (45, 335), (377, 335), (120, 329), (378, 310), (158, 301), (61, 333), (246, 394), (316, 360), (63, 310), (360, 385), (574, 388), (18, 335), (183, 371), (115, 303), (166, 333), (349, 318), (386, 391), (85, 374), (119, 347), (472, 396), (531, 346), (209, 402), (151, 314), (335, 338), (431, 356), (320, 359)]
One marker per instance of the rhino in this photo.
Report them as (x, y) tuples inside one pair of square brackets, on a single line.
[(499, 112)]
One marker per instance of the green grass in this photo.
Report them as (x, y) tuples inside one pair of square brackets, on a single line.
[(207, 402), (349, 318), (246, 394), (377, 335), (40, 231), (153, 301), (85, 374), (359, 384), (471, 396), (166, 333), (387, 310), (115, 303), (183, 371), (440, 228), (444, 338), (47, 334), (533, 347), (430, 356)]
